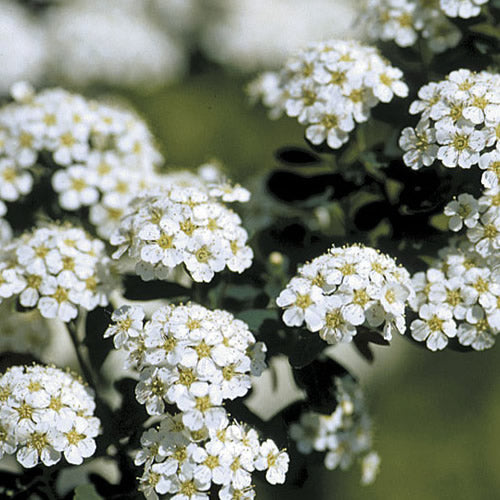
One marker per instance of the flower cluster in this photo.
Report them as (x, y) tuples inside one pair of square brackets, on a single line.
[(462, 8), (329, 87), (120, 46), (345, 435), (255, 34), (187, 464), (95, 154), (26, 332), (344, 289), (190, 357), (178, 224), (23, 45), (480, 217), (56, 269), (404, 21), (459, 296), (46, 412), (459, 122)]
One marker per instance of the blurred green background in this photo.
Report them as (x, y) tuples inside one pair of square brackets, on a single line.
[(435, 415)]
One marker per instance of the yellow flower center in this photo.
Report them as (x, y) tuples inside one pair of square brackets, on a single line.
[(203, 254), (460, 142), (435, 324), (303, 301), (165, 241), (334, 319), (39, 441), (453, 297), (74, 437), (61, 295), (360, 297), (203, 404)]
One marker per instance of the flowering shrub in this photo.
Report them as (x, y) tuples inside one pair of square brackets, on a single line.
[(182, 293)]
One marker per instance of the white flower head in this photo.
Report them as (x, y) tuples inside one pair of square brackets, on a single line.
[(328, 87), (48, 413), (345, 288)]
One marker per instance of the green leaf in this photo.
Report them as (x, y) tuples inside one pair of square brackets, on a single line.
[(439, 221), (382, 229), (360, 199), (393, 189), (95, 325), (86, 492), (486, 29), (307, 347), (242, 292), (255, 317)]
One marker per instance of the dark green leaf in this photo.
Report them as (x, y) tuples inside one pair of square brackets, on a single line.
[(137, 289), (95, 325), (242, 292), (255, 317), (296, 156), (317, 379), (306, 348)]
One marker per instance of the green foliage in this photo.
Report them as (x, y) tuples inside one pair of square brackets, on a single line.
[(86, 492)]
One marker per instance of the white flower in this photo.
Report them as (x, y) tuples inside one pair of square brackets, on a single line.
[(303, 303), (370, 466), (273, 461), (128, 322), (435, 327), (463, 210), (36, 443), (14, 181), (486, 234), (459, 146), (419, 146), (76, 187), (386, 82)]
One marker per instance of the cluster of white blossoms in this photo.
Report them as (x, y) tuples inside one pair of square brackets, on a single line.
[(190, 357), (459, 122), (122, 45), (346, 435), (187, 225), (56, 269), (344, 289), (458, 296), (481, 217), (188, 465), (404, 21), (44, 413), (99, 155), (329, 87), (258, 34), (23, 332), (23, 45), (462, 8), (193, 359)]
